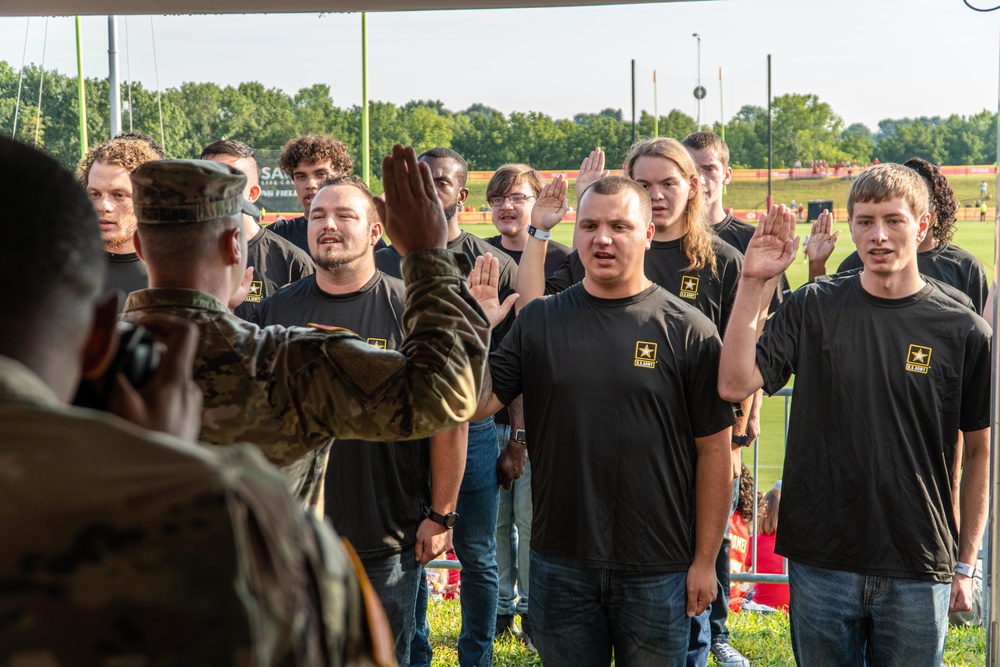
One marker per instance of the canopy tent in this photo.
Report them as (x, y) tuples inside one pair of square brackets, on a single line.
[(124, 7)]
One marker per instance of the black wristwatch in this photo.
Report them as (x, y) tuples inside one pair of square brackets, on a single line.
[(447, 520), (742, 440), (518, 435)]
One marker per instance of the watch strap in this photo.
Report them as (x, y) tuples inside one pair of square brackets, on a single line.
[(518, 435), (447, 520), (539, 234), (742, 440), (965, 569)]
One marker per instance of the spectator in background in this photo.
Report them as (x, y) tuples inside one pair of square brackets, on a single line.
[(105, 172), (768, 562), (275, 261)]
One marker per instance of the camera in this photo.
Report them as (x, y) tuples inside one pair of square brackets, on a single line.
[(137, 358)]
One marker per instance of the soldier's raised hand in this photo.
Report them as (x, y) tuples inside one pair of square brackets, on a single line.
[(410, 208), (484, 281), (822, 238), (552, 204)]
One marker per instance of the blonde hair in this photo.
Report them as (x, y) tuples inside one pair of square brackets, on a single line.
[(889, 181), (698, 236)]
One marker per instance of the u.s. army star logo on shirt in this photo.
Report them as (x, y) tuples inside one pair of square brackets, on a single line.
[(689, 287), (918, 359), (256, 291), (645, 354), (380, 343)]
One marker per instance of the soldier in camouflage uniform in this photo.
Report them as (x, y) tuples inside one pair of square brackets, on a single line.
[(292, 390), (125, 546)]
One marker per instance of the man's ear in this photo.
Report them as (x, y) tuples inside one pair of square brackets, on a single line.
[(231, 243), (102, 342), (138, 245), (463, 194), (377, 231), (924, 227), (254, 193), (727, 176)]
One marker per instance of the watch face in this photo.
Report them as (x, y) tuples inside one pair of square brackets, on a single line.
[(450, 520)]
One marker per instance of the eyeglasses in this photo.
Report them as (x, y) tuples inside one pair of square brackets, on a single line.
[(515, 199)]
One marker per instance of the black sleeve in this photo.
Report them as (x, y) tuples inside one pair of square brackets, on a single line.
[(978, 289), (777, 349), (707, 411), (976, 382), (505, 366), (301, 267), (389, 261)]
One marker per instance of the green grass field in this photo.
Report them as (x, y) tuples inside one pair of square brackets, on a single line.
[(764, 639)]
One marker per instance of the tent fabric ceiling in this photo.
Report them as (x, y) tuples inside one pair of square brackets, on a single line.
[(160, 7)]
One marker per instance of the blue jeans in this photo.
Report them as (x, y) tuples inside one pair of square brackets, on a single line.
[(513, 538), (475, 546), (844, 618), (396, 580), (580, 615)]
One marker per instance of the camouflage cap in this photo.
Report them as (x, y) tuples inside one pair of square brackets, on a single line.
[(172, 191)]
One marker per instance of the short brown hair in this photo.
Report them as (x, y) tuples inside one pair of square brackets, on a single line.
[(699, 141), (126, 151), (887, 181), (512, 175), (355, 182), (314, 148), (612, 185)]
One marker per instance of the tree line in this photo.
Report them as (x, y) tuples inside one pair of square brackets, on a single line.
[(194, 114)]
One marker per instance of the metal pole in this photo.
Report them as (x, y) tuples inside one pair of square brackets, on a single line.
[(114, 85), (366, 160), (81, 92), (633, 101), (770, 139), (699, 79), (991, 603), (656, 108)]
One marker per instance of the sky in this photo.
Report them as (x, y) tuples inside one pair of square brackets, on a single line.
[(868, 59)]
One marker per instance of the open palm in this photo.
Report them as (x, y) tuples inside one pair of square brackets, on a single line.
[(772, 248), (552, 204)]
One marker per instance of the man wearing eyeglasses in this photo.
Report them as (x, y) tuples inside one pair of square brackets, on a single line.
[(511, 193), (478, 497)]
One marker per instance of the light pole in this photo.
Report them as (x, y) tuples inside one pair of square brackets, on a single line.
[(699, 92)]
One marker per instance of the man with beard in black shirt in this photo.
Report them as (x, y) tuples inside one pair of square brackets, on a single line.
[(105, 172), (628, 440), (394, 501), (479, 498), (888, 371), (275, 261)]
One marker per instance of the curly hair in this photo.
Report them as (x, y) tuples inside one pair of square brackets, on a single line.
[(314, 148), (747, 499), (125, 150), (698, 236), (943, 205)]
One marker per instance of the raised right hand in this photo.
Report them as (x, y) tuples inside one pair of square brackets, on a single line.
[(822, 238), (592, 169), (773, 247), (410, 208), (552, 204)]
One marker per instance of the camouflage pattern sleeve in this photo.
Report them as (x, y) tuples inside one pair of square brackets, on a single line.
[(429, 385)]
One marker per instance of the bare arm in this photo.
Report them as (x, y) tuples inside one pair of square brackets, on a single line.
[(974, 502), (510, 465), (448, 454), (770, 252), (713, 496), (550, 208)]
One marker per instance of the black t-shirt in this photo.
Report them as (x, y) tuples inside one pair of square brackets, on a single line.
[(126, 272), (296, 230), (738, 233), (375, 491), (949, 264), (952, 292), (712, 294), (555, 253), (882, 387), (615, 392), (276, 262)]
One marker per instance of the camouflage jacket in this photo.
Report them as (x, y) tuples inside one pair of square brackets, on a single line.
[(292, 390), (127, 547)]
